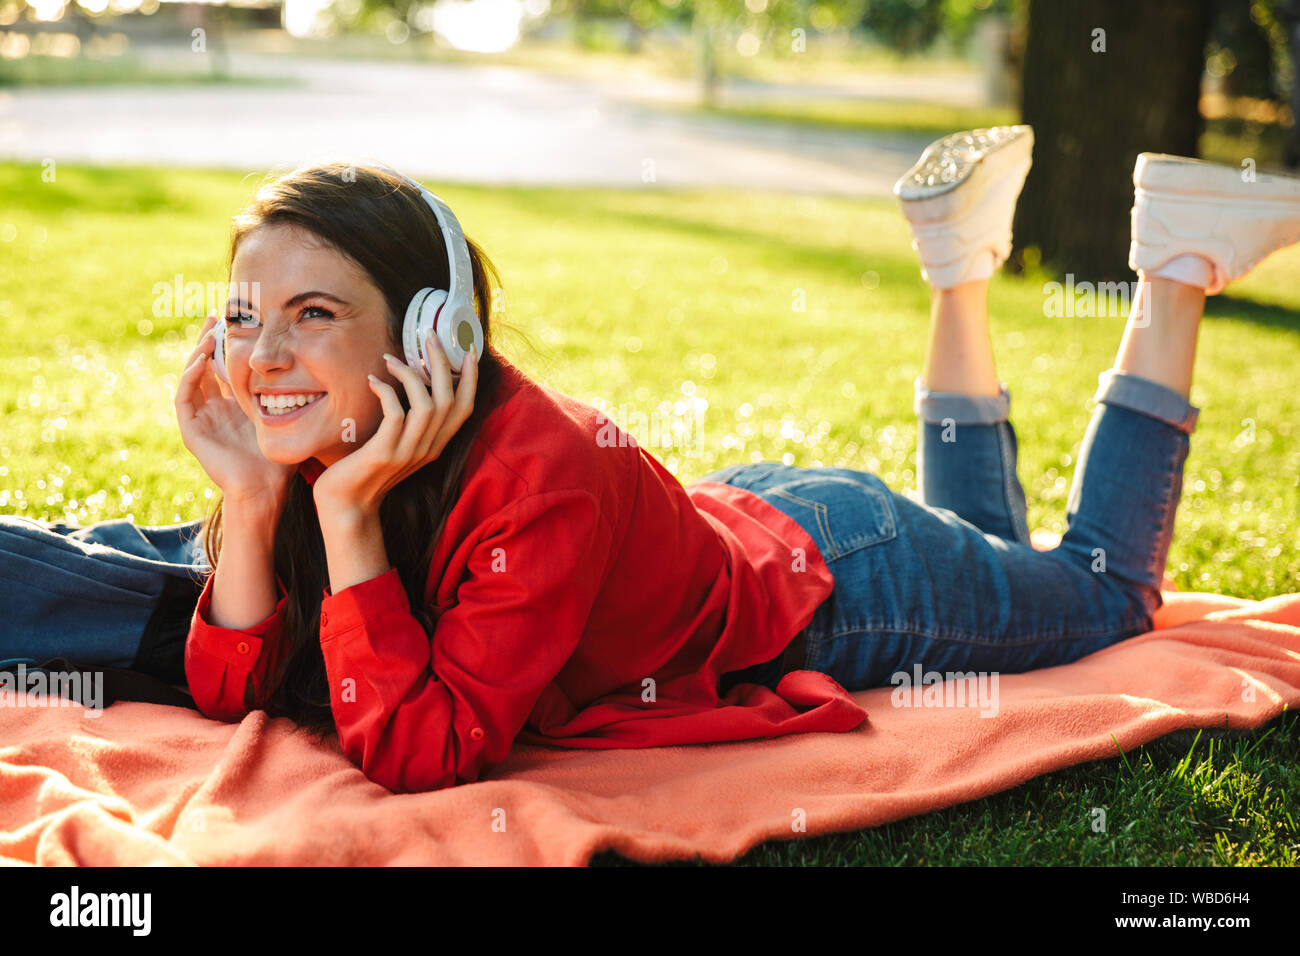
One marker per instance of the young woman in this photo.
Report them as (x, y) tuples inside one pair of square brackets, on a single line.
[(437, 573)]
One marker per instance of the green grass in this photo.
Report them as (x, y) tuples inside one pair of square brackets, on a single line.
[(885, 116), (1224, 140), (41, 70), (1229, 139), (697, 298)]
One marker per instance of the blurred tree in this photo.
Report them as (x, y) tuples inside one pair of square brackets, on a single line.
[(910, 26), (1239, 54), (588, 18), (83, 23), (379, 13), (1252, 53), (591, 18), (644, 16), (746, 26), (1104, 80), (960, 17), (1289, 20)]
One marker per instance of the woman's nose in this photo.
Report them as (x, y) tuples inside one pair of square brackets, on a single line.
[(270, 351)]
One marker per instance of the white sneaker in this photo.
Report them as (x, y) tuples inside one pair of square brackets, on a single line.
[(960, 198), (1204, 224)]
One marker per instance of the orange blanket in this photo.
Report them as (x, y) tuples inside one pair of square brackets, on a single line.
[(148, 784)]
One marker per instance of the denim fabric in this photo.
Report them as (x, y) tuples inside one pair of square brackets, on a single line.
[(951, 582), (87, 594)]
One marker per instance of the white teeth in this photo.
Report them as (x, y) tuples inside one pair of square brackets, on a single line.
[(280, 404)]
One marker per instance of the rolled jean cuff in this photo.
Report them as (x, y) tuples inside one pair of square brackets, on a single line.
[(938, 408), (1148, 397)]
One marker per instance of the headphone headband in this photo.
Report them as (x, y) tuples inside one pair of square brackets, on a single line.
[(461, 276), (451, 314)]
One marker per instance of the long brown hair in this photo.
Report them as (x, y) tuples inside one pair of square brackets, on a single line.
[(381, 222)]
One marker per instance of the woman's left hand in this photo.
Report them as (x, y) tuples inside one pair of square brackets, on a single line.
[(405, 442)]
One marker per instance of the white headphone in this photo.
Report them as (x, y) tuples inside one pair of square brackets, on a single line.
[(450, 314)]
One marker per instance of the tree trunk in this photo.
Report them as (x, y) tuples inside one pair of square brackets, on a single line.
[(1289, 14), (708, 59), (1104, 80)]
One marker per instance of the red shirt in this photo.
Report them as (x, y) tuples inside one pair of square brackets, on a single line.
[(582, 597)]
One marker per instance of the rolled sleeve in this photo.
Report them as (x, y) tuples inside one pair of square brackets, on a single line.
[(219, 661)]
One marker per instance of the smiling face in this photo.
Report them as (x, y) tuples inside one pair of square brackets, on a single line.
[(317, 327)]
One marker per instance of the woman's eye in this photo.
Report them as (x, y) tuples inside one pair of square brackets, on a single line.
[(240, 319), (316, 308)]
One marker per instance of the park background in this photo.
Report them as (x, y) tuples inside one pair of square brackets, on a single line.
[(752, 296)]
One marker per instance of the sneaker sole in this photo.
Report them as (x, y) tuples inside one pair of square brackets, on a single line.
[(948, 162)]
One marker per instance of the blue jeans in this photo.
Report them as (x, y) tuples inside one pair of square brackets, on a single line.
[(953, 583), (110, 594)]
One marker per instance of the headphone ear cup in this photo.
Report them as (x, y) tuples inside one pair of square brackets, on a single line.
[(219, 351), (466, 332), (421, 317)]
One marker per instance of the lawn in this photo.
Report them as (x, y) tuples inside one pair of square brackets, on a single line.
[(863, 115), (39, 70), (801, 322)]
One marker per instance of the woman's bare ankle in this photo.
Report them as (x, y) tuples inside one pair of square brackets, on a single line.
[(959, 355), (1159, 341)]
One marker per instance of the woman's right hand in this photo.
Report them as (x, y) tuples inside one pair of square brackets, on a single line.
[(218, 433)]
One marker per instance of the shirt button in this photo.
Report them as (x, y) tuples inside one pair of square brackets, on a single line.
[(324, 618), (242, 647), (476, 733)]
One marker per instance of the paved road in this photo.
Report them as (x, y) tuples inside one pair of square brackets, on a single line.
[(485, 124)]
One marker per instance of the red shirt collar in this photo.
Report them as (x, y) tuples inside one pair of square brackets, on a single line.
[(311, 470)]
